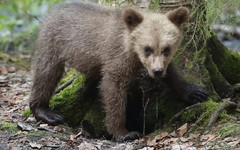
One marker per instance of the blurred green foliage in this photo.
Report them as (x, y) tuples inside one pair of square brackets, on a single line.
[(19, 21), (223, 11)]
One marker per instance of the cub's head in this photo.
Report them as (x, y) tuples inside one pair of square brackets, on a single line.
[(155, 37)]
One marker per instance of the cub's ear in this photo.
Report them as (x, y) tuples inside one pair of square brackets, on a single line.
[(178, 16), (132, 18)]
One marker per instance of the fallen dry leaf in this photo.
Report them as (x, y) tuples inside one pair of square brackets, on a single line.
[(238, 109), (173, 134), (3, 70), (166, 142), (145, 139), (173, 139), (161, 136), (183, 139), (209, 137), (204, 138), (35, 145), (72, 137), (234, 143), (182, 130), (197, 144), (193, 136), (43, 125)]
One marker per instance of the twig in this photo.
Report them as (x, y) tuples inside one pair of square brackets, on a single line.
[(144, 115), (144, 110), (63, 86), (46, 129), (216, 114), (30, 15), (182, 111)]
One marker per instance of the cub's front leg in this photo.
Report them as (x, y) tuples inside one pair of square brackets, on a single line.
[(114, 98), (190, 93)]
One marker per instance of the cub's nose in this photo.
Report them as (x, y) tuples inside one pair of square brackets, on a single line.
[(158, 72)]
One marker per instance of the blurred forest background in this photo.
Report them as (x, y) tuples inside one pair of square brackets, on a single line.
[(20, 19)]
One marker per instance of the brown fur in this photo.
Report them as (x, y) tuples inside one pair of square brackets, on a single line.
[(106, 42)]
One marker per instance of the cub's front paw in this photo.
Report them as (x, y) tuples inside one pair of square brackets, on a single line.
[(128, 137), (195, 93), (48, 116)]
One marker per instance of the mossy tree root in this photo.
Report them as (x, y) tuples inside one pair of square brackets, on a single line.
[(227, 61), (179, 114), (218, 111)]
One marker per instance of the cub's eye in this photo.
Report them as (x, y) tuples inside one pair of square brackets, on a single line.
[(148, 50), (166, 51)]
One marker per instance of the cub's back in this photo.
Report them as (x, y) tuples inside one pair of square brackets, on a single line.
[(81, 34)]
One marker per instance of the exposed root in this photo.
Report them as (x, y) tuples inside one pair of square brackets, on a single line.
[(182, 111), (218, 111), (197, 123)]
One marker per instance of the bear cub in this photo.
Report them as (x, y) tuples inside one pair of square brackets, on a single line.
[(112, 44)]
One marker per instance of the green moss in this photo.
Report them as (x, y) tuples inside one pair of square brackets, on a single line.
[(204, 111), (224, 117), (96, 117), (27, 113), (198, 58), (220, 84), (67, 104), (154, 5), (69, 75), (231, 66), (190, 78), (202, 114), (78, 102), (230, 129), (8, 127)]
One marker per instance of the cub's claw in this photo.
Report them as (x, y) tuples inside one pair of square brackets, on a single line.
[(129, 137), (195, 93), (48, 116)]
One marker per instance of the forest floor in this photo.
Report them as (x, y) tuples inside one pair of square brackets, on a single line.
[(19, 132)]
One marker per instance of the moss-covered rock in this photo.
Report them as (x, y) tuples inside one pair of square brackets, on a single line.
[(67, 104), (79, 101)]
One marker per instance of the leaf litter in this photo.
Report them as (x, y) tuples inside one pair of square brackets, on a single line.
[(30, 134)]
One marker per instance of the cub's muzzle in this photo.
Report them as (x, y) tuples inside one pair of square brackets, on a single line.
[(158, 72)]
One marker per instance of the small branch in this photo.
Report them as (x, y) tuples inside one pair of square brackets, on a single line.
[(66, 84), (144, 110), (30, 15), (218, 111), (144, 116), (182, 111)]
